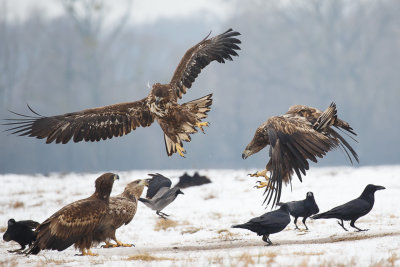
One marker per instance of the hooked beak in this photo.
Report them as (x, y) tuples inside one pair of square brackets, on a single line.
[(245, 154), (116, 177), (158, 99), (144, 182)]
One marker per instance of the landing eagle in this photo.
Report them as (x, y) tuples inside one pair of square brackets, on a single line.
[(303, 133), (177, 121)]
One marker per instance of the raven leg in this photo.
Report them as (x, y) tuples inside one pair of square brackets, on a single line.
[(265, 238), (358, 229), (162, 214), (304, 222), (342, 224), (201, 124), (295, 223)]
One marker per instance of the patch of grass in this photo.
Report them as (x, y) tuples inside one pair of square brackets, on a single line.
[(333, 263), (310, 253), (147, 257), (216, 260), (17, 205), (190, 230), (163, 224), (225, 234), (209, 196), (9, 262), (3, 229), (245, 260), (391, 261)]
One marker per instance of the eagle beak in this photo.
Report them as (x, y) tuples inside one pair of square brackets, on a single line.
[(245, 154), (116, 177), (158, 99), (144, 182)]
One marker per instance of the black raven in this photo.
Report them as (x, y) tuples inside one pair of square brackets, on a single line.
[(160, 194), (354, 209), (269, 223), (20, 232), (303, 208)]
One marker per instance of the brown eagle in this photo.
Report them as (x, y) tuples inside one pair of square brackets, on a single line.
[(122, 209), (81, 223), (303, 133), (177, 121)]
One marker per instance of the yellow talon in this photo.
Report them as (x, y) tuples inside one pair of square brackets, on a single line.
[(201, 124), (263, 184), (260, 174), (120, 244), (180, 150), (109, 245), (88, 252)]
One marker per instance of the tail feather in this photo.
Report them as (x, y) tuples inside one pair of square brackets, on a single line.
[(324, 215)]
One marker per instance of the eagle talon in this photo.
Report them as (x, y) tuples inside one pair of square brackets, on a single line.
[(88, 252), (180, 150), (201, 124)]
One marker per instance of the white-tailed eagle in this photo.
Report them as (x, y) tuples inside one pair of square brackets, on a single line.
[(303, 133), (177, 121), (81, 223)]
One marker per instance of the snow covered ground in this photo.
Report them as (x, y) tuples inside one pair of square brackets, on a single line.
[(199, 233)]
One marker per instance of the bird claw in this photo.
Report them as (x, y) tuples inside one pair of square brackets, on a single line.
[(180, 150), (201, 124)]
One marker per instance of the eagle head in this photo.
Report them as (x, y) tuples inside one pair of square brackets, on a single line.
[(160, 92), (259, 141)]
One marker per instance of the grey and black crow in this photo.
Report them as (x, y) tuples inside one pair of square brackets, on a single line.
[(160, 194), (354, 209), (20, 232), (269, 223), (302, 208)]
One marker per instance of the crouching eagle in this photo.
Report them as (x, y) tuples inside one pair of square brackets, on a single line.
[(303, 133), (177, 121)]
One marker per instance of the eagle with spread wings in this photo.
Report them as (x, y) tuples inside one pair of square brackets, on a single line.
[(303, 133), (81, 223), (177, 121)]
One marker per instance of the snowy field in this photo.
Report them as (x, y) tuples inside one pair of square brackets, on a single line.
[(199, 233)]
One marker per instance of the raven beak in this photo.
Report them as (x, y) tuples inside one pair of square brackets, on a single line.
[(378, 187)]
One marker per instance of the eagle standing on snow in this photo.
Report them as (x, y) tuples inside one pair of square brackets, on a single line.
[(177, 121), (303, 133), (81, 223), (122, 209)]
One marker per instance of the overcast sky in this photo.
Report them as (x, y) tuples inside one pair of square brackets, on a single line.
[(142, 11)]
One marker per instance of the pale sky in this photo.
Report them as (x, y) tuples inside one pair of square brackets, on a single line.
[(142, 11)]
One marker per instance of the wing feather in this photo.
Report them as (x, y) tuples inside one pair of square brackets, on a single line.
[(293, 141), (90, 125), (219, 48)]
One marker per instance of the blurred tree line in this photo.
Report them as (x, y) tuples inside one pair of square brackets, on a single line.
[(307, 52)]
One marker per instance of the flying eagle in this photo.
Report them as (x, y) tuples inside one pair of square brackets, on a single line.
[(177, 121), (122, 209), (81, 223), (303, 133)]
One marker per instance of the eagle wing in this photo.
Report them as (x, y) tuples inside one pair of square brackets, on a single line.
[(88, 125), (220, 48), (70, 224), (293, 141), (122, 211)]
